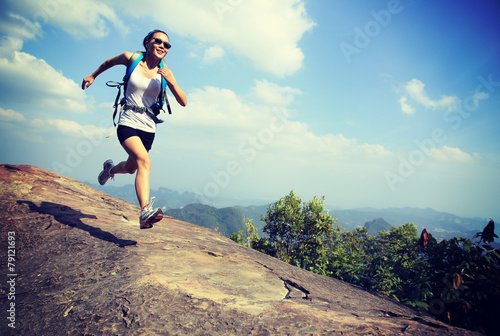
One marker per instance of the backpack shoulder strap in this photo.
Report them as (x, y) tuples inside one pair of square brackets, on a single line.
[(163, 64), (163, 99), (132, 63)]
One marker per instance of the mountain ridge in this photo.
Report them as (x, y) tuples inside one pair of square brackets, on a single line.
[(443, 225), (224, 220)]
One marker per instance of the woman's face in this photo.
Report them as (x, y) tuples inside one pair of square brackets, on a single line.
[(158, 45)]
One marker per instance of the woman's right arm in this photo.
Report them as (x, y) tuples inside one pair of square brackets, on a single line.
[(120, 59)]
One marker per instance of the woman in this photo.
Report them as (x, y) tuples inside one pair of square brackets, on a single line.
[(136, 128)]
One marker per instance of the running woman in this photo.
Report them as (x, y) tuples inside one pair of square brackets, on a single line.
[(136, 127)]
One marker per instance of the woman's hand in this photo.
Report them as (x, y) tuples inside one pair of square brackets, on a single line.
[(168, 75), (179, 95), (120, 59), (87, 81)]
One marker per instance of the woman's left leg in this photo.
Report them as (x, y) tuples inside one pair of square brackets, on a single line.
[(139, 161)]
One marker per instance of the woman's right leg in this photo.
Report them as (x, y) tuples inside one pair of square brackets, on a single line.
[(125, 167)]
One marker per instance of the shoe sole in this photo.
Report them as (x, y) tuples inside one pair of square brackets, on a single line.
[(103, 169), (152, 220)]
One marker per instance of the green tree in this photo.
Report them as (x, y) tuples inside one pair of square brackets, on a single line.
[(298, 232), (316, 232), (466, 283), (247, 238), (284, 221), (399, 270), (349, 255), (251, 235), (457, 280)]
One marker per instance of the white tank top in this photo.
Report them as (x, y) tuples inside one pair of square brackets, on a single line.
[(141, 91)]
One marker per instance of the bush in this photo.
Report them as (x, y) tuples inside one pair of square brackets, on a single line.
[(298, 233), (457, 280)]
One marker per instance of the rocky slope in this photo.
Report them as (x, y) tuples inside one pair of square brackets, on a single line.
[(80, 265)]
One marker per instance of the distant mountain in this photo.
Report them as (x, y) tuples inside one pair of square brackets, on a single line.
[(225, 220), (165, 198), (441, 225), (255, 212), (377, 225)]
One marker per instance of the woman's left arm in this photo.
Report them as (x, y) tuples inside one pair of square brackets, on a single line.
[(179, 95)]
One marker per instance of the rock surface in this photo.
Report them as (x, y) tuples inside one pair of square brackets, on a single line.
[(83, 267)]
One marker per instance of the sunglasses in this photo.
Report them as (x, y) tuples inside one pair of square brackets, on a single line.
[(165, 44)]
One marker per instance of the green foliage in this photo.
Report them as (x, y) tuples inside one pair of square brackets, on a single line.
[(247, 237), (466, 281), (456, 280), (397, 269), (283, 225), (252, 235), (299, 232), (348, 256), (237, 237)]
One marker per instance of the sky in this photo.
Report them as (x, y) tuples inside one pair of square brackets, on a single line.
[(367, 103)]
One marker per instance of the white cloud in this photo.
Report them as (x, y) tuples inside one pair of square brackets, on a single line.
[(259, 148), (33, 81), (215, 109), (212, 54), (8, 45), (16, 25), (265, 31), (72, 128), (228, 122), (446, 153), (269, 93), (42, 129), (37, 123), (11, 115), (416, 90), (405, 107), (81, 19), (476, 97), (297, 141)]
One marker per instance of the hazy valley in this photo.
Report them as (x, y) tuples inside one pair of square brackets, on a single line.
[(188, 206)]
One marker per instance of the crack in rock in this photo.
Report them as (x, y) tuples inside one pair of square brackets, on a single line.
[(295, 290)]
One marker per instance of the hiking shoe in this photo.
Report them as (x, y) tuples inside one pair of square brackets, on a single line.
[(149, 215), (106, 172)]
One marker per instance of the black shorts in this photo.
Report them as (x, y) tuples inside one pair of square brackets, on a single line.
[(125, 132)]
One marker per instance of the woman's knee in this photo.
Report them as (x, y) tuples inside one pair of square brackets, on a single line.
[(144, 163)]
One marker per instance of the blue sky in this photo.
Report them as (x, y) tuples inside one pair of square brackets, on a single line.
[(368, 103)]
